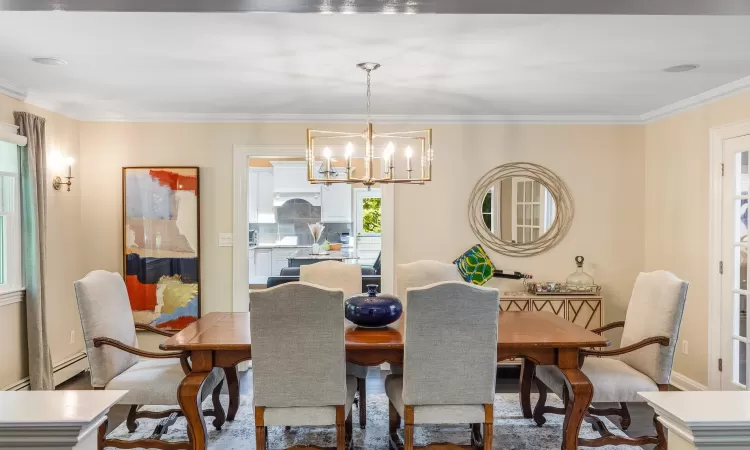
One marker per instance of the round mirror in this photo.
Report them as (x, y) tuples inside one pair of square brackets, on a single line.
[(520, 209)]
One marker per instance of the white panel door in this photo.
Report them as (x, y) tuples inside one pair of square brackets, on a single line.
[(734, 289)]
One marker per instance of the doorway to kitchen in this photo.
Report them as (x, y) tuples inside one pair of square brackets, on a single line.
[(273, 203), (368, 226)]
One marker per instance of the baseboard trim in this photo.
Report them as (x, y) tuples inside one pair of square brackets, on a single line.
[(684, 383), (62, 371)]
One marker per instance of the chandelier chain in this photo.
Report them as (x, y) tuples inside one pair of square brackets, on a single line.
[(368, 95)]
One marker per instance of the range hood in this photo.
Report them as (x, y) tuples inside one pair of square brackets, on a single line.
[(290, 182)]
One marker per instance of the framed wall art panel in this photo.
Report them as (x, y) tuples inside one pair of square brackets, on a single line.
[(161, 244)]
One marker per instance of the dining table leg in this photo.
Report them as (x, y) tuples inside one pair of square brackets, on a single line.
[(189, 397), (580, 392), (527, 377)]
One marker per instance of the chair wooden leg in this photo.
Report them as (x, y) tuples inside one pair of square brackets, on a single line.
[(102, 435), (477, 441), (541, 403), (622, 411), (131, 422), (349, 426), (527, 376), (660, 434), (340, 428), (233, 385), (489, 421), (219, 416), (260, 429), (362, 388), (408, 427), (394, 422)]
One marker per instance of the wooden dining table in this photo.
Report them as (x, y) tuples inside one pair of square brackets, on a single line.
[(223, 340)]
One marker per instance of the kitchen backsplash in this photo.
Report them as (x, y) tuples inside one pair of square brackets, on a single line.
[(292, 219)]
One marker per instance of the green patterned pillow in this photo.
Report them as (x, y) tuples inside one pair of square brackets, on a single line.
[(475, 266)]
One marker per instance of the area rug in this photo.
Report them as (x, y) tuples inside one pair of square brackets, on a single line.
[(512, 431)]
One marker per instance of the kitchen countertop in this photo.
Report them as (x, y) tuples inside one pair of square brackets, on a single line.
[(345, 253), (252, 247)]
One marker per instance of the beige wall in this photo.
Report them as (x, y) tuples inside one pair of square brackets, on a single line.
[(603, 166), (64, 250), (676, 212), (640, 192)]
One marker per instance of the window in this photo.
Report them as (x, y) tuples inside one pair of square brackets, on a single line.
[(10, 219)]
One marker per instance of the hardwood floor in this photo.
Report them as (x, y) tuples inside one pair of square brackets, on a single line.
[(507, 382)]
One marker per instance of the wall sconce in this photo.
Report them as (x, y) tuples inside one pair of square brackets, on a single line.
[(56, 163)]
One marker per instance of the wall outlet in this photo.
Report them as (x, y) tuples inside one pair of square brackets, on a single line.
[(684, 347), (72, 336)]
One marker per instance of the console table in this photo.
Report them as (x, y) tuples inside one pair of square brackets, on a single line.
[(584, 310)]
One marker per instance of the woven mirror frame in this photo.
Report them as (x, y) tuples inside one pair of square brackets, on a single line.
[(555, 186)]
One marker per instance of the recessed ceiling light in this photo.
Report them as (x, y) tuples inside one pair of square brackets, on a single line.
[(47, 61), (682, 68)]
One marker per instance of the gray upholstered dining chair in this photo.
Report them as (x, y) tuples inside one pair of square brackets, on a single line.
[(116, 361), (421, 273), (348, 278), (299, 360), (450, 361), (417, 274), (643, 363)]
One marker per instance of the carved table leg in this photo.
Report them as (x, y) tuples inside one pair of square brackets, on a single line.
[(233, 385), (189, 396), (527, 376), (580, 393)]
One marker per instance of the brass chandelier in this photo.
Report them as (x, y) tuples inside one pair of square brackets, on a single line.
[(376, 169)]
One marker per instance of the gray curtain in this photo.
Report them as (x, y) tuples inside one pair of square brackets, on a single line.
[(34, 229)]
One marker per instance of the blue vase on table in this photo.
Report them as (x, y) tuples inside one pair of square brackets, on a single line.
[(372, 310)]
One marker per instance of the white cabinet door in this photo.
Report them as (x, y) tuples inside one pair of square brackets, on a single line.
[(252, 196), (336, 203), (263, 262), (251, 258), (265, 197), (280, 259)]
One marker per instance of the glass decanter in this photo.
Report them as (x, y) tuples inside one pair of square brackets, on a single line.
[(579, 280)]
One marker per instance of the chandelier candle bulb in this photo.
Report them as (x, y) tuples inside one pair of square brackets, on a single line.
[(327, 156), (349, 151), (408, 161)]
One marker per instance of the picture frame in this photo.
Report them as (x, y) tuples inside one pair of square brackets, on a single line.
[(161, 244)]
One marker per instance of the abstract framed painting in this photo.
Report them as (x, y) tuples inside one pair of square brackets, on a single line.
[(161, 244)]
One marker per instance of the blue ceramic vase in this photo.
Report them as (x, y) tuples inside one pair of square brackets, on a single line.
[(372, 310)]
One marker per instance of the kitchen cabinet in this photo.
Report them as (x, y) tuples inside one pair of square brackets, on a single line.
[(291, 177), (280, 259), (260, 195), (263, 262), (336, 202)]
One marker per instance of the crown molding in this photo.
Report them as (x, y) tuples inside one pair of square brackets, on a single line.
[(12, 90), (697, 100), (360, 118)]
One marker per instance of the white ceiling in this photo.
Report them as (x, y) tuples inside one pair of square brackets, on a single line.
[(132, 65)]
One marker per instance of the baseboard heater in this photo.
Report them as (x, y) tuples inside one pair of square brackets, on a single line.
[(62, 371)]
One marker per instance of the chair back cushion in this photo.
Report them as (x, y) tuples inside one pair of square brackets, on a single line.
[(334, 275), (418, 274), (450, 355), (104, 308), (655, 309), (297, 333)]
